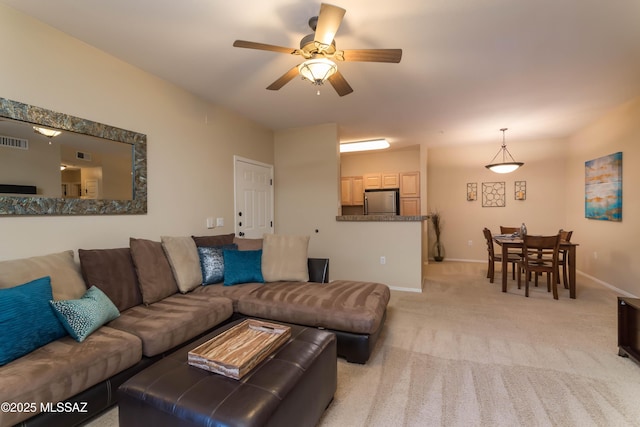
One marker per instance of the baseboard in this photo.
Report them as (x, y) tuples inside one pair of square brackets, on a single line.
[(607, 285), (397, 288)]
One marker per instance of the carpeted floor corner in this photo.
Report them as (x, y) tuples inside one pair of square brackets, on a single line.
[(463, 353)]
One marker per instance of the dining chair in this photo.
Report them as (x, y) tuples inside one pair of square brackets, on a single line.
[(562, 260), (493, 257), (540, 255)]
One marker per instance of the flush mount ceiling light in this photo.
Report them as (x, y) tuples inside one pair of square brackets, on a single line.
[(375, 144), (505, 166), (49, 133)]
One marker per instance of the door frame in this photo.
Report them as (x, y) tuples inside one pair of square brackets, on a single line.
[(236, 160)]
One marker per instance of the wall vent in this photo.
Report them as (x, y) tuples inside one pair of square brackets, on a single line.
[(12, 142), (80, 155)]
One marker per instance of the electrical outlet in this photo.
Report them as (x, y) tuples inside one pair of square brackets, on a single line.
[(219, 222), (210, 222), (383, 260)]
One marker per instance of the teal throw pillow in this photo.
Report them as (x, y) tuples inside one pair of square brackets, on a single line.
[(81, 317), (27, 322), (242, 267), (212, 263)]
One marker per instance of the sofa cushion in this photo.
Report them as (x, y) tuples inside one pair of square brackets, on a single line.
[(219, 240), (26, 320), (342, 305), (66, 281), (242, 266), (182, 254), (81, 317), (64, 368), (174, 320), (285, 258), (232, 292), (153, 270), (112, 271), (247, 244)]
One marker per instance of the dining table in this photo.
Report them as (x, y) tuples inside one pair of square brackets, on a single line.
[(508, 242)]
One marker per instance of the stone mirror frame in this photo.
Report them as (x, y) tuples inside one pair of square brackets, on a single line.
[(38, 205)]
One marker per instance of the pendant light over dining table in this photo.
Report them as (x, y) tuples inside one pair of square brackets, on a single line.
[(505, 166)]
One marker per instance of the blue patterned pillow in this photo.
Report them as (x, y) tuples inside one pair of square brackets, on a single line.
[(83, 316), (242, 267), (212, 263), (26, 320)]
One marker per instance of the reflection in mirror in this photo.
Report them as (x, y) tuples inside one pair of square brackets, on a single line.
[(72, 166), (64, 164)]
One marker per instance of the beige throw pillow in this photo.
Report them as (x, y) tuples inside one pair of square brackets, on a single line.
[(285, 258), (182, 253), (66, 280)]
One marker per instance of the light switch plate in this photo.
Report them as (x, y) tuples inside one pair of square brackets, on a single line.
[(219, 222), (210, 222)]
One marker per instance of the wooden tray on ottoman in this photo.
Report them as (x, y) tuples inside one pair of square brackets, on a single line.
[(236, 351)]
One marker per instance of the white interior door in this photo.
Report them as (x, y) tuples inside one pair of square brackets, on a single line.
[(253, 198)]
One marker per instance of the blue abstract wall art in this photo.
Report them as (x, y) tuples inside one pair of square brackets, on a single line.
[(603, 188)]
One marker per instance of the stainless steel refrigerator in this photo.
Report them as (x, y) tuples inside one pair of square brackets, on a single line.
[(382, 202)]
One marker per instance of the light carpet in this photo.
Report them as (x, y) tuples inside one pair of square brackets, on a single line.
[(463, 353)]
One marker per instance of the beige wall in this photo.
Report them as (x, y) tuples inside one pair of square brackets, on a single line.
[(608, 250), (451, 168), (307, 184), (355, 164), (191, 142)]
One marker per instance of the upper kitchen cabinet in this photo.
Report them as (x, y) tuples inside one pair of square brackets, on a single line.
[(409, 184), (376, 181), (351, 191)]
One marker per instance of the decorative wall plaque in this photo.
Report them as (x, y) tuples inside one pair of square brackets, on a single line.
[(520, 190), (493, 194), (472, 191)]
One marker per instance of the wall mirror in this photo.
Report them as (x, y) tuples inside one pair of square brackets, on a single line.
[(56, 164)]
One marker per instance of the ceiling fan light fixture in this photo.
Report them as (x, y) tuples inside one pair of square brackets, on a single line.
[(375, 144), (317, 70), (505, 166), (49, 133)]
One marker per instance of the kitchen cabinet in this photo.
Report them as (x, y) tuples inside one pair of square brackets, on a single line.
[(410, 206), (410, 184), (390, 180), (377, 181), (351, 191), (372, 181)]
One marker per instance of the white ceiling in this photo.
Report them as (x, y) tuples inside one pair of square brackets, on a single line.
[(542, 68)]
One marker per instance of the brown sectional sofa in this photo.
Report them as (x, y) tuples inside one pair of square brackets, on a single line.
[(146, 329)]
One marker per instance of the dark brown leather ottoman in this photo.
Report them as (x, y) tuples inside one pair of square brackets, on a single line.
[(293, 386)]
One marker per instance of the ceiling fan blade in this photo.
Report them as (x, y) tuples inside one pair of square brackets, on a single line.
[(339, 83), (372, 55), (263, 46), (284, 79), (329, 21)]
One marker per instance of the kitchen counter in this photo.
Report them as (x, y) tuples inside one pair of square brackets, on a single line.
[(381, 218)]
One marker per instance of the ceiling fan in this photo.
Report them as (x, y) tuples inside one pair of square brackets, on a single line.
[(319, 50)]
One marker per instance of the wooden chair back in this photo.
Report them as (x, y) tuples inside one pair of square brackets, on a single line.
[(489, 239), (565, 235), (541, 255)]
